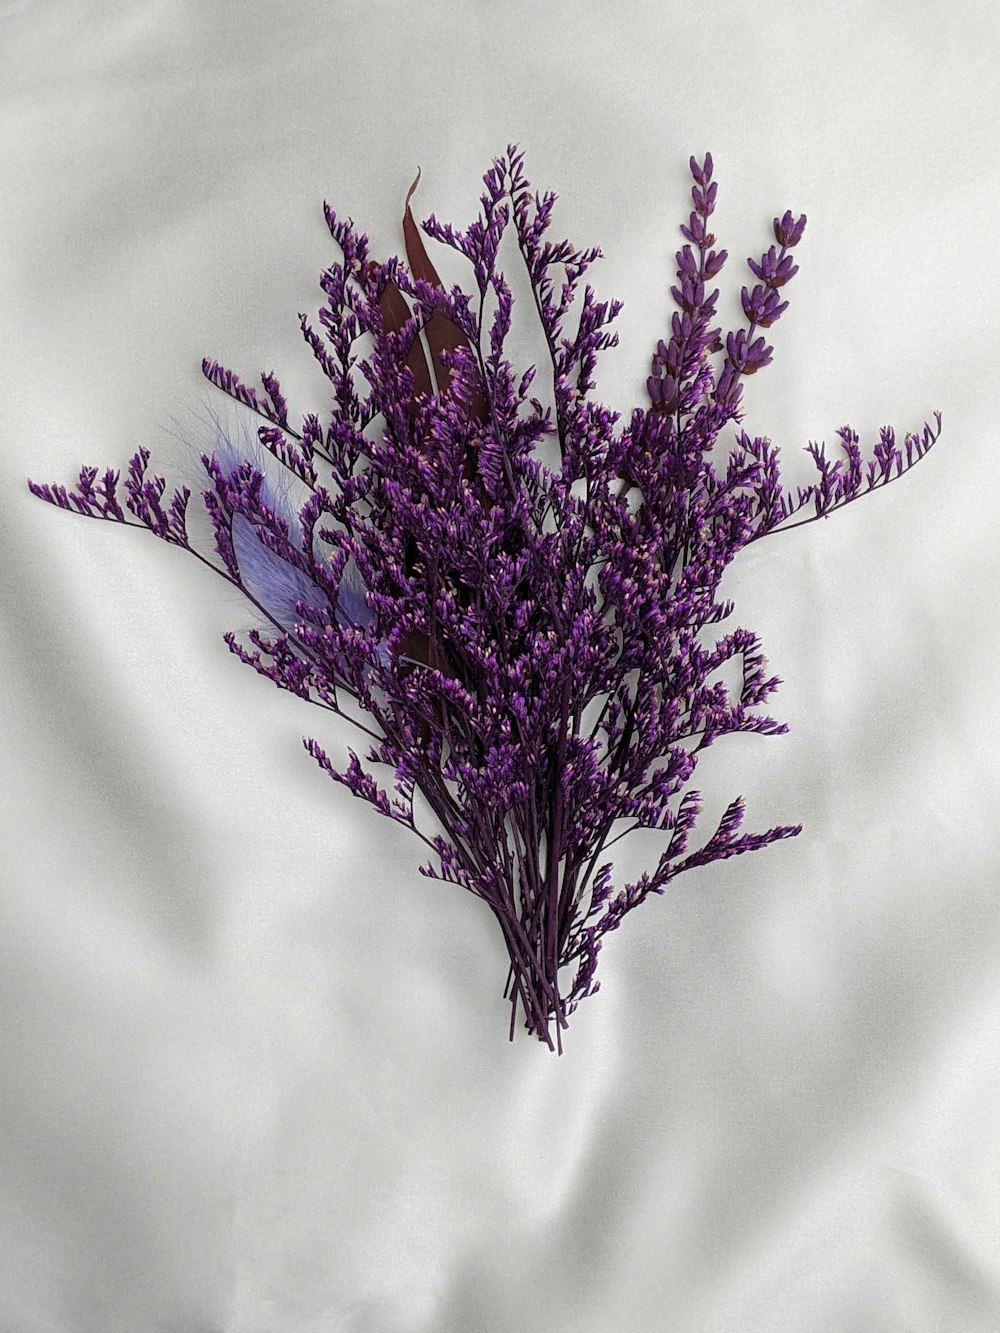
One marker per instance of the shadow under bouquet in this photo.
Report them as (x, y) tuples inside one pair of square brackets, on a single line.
[(514, 600)]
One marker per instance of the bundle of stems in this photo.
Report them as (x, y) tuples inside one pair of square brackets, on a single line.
[(513, 599)]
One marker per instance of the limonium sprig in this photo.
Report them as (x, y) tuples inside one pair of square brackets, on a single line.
[(513, 597)]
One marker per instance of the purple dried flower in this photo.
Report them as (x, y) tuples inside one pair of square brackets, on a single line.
[(530, 643), (788, 230)]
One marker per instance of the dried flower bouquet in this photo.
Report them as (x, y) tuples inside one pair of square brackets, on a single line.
[(513, 599)]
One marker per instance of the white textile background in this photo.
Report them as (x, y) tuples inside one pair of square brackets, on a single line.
[(255, 1075)]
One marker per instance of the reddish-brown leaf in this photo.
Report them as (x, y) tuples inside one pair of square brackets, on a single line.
[(442, 333), (395, 312)]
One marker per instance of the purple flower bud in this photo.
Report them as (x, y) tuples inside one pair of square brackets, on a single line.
[(788, 231)]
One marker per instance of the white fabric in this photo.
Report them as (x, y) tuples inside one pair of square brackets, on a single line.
[(255, 1073)]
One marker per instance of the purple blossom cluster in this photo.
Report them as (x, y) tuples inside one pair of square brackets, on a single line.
[(514, 599)]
